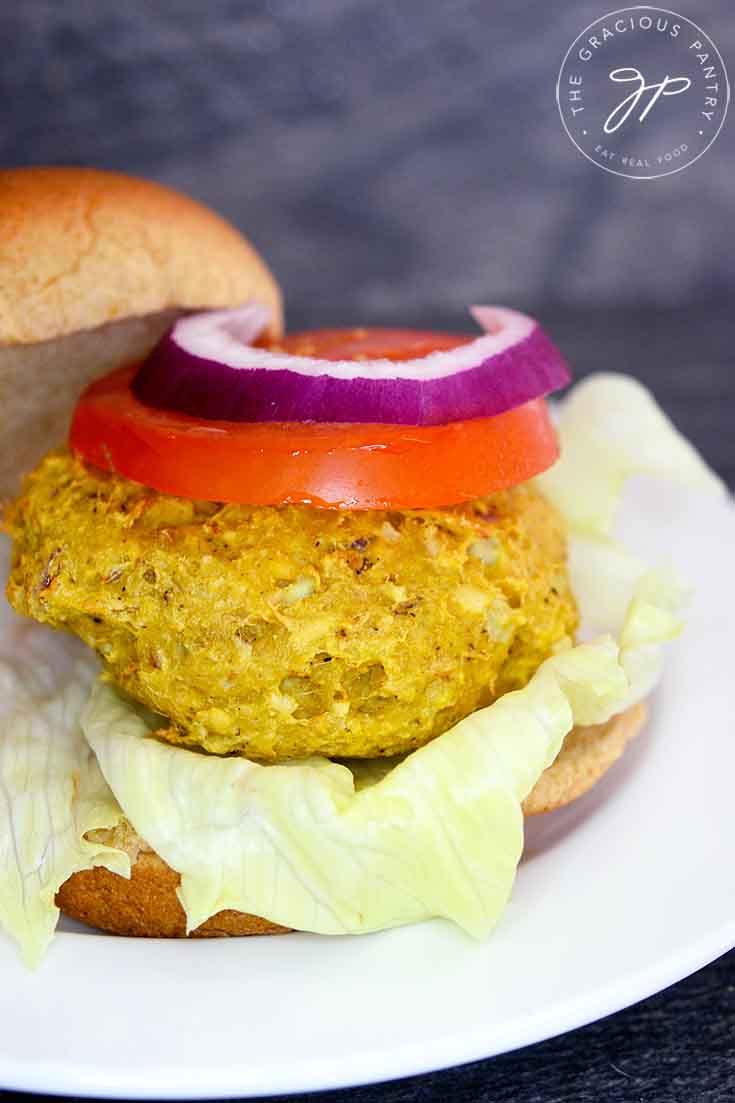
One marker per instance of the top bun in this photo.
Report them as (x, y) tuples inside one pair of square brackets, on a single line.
[(81, 247), (94, 267)]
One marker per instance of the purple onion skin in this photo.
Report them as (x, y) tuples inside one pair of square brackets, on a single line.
[(172, 379)]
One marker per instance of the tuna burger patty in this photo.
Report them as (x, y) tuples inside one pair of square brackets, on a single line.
[(279, 632)]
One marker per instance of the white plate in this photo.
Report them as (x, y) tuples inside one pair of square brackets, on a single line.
[(627, 891)]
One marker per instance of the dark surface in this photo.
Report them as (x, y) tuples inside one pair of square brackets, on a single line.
[(677, 1046)]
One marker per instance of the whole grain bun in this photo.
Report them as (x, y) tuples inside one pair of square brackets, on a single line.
[(147, 905), (81, 248), (586, 755), (94, 267)]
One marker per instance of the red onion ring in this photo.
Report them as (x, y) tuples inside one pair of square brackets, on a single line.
[(206, 366)]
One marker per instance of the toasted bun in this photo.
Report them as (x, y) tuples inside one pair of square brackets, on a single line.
[(94, 267), (147, 905)]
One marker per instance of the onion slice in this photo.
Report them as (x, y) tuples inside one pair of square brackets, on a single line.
[(207, 366)]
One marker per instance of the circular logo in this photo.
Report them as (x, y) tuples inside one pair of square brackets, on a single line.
[(643, 92)]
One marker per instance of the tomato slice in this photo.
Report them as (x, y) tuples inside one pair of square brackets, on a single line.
[(347, 466), (374, 343)]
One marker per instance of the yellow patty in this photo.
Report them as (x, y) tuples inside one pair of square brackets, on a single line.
[(284, 632)]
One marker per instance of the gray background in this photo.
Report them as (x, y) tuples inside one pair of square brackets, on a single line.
[(393, 160)]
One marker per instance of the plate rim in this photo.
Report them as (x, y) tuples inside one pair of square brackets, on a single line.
[(402, 1061)]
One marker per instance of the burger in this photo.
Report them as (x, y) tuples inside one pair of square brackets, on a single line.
[(328, 587)]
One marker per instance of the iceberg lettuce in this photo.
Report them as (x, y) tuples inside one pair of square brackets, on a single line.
[(51, 789), (51, 793), (440, 835), (610, 429)]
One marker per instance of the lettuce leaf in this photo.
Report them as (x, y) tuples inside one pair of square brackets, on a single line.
[(440, 835), (51, 793), (642, 607), (610, 428), (51, 788)]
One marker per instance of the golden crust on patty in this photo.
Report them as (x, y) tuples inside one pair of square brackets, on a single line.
[(284, 632), (147, 904)]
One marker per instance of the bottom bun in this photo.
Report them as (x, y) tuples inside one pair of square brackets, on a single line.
[(586, 755), (146, 906)]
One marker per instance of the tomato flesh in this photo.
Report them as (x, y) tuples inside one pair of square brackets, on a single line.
[(340, 466), (376, 343)]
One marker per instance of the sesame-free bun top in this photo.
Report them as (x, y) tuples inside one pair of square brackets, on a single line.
[(81, 247), (94, 267)]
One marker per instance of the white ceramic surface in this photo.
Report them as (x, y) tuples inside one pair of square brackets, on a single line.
[(625, 892)]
